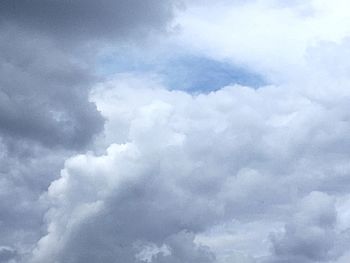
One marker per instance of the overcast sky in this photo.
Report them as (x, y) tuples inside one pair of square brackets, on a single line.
[(174, 131)]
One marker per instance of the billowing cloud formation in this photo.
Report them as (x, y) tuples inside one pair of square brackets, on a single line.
[(150, 174), (45, 115), (46, 74), (44, 88), (177, 165)]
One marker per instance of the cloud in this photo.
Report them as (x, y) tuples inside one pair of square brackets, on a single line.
[(45, 116), (78, 20), (268, 37), (47, 70), (44, 94), (131, 170), (172, 163), (310, 236), (26, 171), (6, 254), (183, 249)]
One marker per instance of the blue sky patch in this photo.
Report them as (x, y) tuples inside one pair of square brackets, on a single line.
[(185, 72)]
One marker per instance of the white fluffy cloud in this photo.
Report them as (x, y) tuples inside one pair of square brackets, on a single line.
[(269, 36), (172, 167)]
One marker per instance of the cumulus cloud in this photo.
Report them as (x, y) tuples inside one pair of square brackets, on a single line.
[(176, 163), (310, 236), (132, 171), (44, 94), (47, 69)]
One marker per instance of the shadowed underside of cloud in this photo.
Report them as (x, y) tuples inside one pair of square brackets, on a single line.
[(46, 74), (6, 254), (87, 19), (44, 86), (44, 93)]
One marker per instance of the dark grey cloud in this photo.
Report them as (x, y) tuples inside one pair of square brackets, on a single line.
[(88, 19), (26, 170), (44, 85), (47, 71), (44, 93), (45, 116), (6, 254)]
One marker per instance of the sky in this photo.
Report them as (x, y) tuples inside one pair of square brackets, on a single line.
[(174, 131)]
